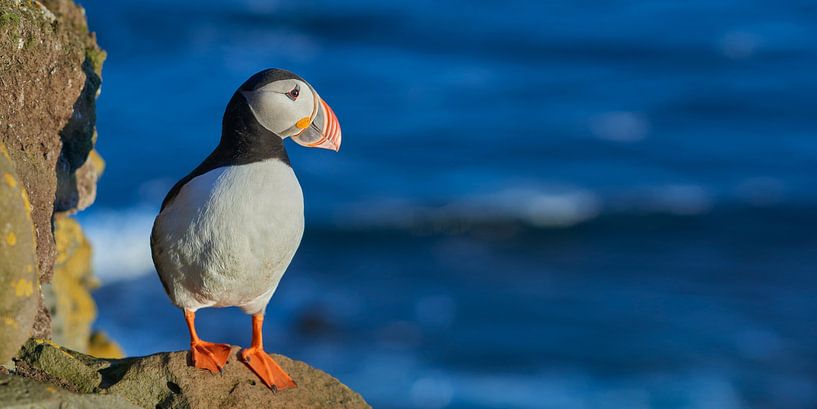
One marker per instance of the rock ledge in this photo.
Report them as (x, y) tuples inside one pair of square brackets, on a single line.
[(45, 374)]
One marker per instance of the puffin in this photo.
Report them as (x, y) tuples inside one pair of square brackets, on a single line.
[(227, 231)]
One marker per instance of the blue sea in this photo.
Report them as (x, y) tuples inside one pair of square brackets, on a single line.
[(538, 204)]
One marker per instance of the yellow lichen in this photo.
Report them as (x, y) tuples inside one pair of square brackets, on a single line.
[(41, 341), (11, 238), (96, 160), (75, 308), (9, 179), (4, 151), (11, 322), (101, 346), (23, 288), (26, 202)]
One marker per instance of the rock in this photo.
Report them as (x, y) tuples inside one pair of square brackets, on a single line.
[(19, 392), (19, 288), (44, 357), (166, 380), (68, 296), (101, 346), (50, 69), (47, 72), (86, 177)]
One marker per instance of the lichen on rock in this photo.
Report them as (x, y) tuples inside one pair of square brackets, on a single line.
[(68, 296), (48, 361), (50, 69), (19, 288), (44, 77), (101, 346)]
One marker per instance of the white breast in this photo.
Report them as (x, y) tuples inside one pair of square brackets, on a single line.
[(229, 235)]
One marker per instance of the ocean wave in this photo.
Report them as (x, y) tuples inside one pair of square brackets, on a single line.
[(121, 241), (558, 387), (550, 207), (675, 199), (122, 246)]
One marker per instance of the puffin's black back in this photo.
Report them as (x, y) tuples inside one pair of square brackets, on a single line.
[(243, 139)]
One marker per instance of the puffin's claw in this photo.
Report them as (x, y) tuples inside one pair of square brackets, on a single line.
[(209, 355), (266, 368)]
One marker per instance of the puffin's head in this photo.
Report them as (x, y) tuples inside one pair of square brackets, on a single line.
[(285, 104)]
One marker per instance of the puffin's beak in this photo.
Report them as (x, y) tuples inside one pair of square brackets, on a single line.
[(323, 131)]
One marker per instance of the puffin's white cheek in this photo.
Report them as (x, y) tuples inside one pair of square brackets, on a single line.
[(277, 112), (266, 109)]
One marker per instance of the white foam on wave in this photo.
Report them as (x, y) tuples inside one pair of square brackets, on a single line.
[(121, 241), (538, 206), (543, 207), (620, 126), (121, 237), (678, 199)]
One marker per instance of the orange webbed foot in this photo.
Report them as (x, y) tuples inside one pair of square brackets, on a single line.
[(267, 369), (209, 355)]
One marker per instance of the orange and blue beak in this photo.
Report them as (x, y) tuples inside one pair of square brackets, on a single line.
[(322, 129)]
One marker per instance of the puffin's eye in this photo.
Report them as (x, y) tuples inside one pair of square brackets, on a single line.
[(293, 95)]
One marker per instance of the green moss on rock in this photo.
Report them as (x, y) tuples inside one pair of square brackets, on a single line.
[(8, 18), (96, 56), (49, 358)]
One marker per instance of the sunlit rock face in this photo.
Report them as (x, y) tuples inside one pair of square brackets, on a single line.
[(69, 294), (19, 289), (50, 69)]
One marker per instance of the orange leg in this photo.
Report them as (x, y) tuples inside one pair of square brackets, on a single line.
[(205, 355), (262, 364)]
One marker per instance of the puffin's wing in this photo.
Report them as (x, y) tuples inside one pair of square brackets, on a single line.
[(216, 160), (155, 252)]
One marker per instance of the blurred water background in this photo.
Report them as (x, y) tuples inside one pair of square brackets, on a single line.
[(538, 204)]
